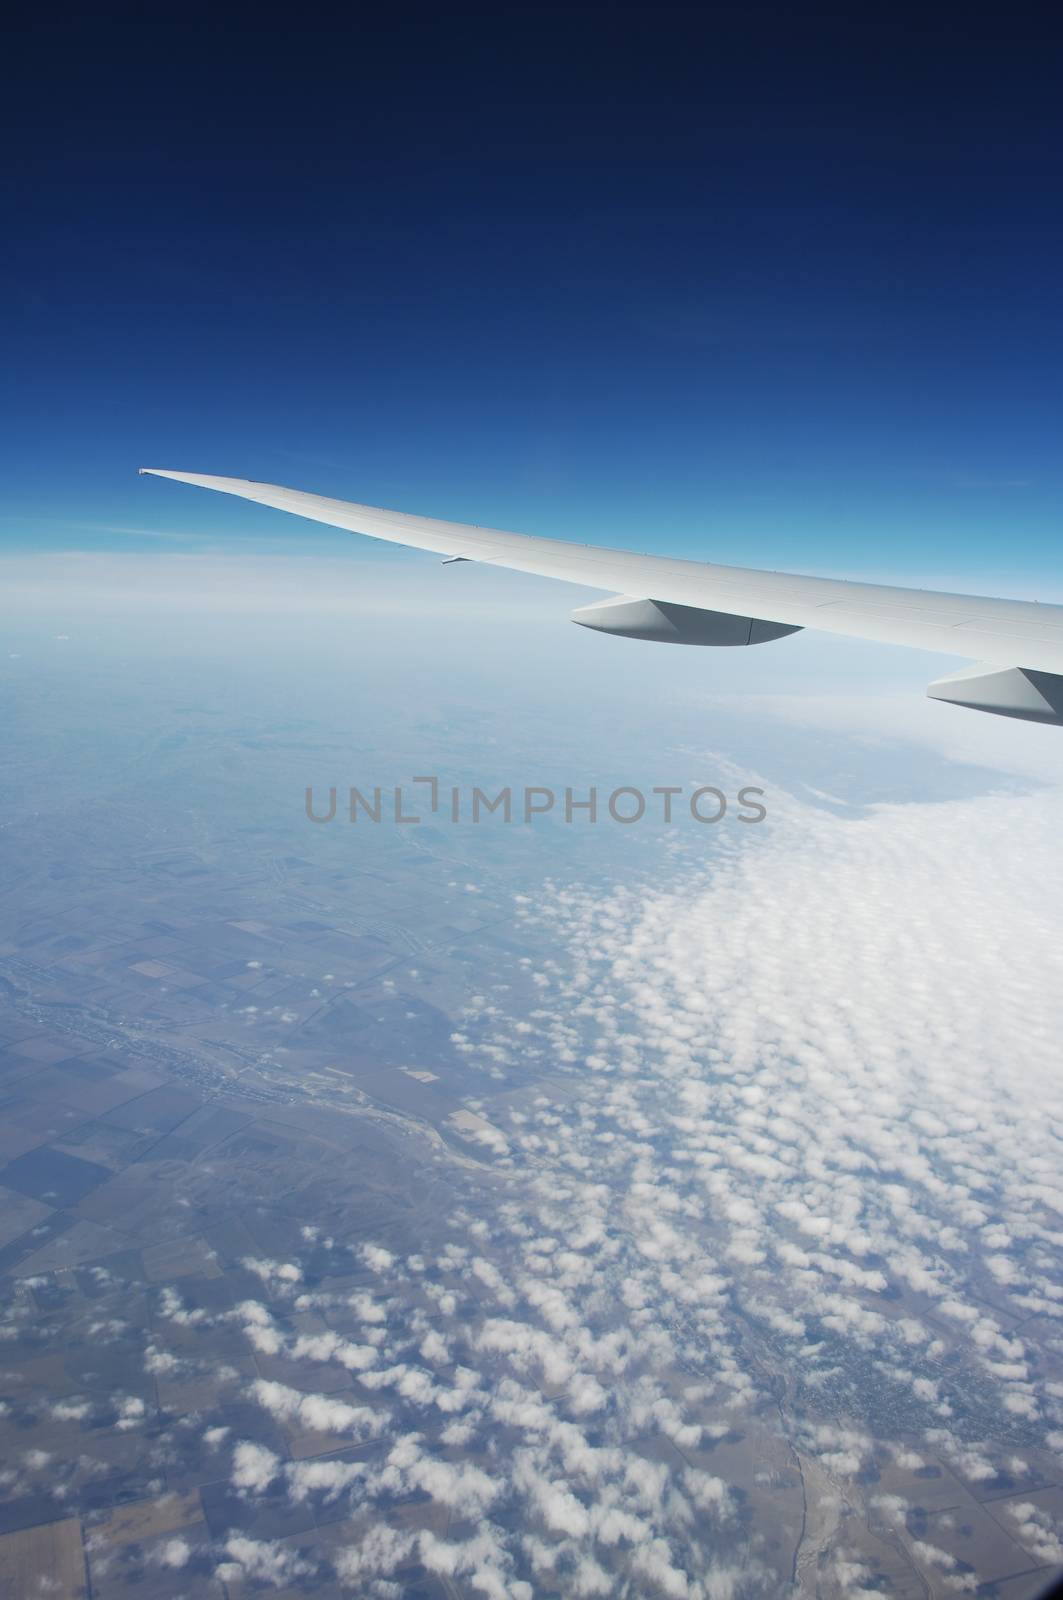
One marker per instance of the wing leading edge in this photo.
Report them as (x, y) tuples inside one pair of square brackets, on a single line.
[(697, 602)]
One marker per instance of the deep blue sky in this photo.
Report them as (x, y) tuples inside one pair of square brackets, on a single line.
[(785, 292)]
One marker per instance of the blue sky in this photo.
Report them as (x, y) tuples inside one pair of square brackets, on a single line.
[(784, 294)]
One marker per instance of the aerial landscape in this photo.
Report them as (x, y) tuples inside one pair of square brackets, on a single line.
[(409, 1196), (386, 1211)]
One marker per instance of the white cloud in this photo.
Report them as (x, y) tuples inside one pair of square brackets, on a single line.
[(322, 1413), (174, 1553), (254, 1467), (262, 1560)]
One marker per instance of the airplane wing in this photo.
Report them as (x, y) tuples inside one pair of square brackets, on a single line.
[(1017, 644)]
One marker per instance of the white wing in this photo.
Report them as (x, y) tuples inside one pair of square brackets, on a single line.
[(702, 603)]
